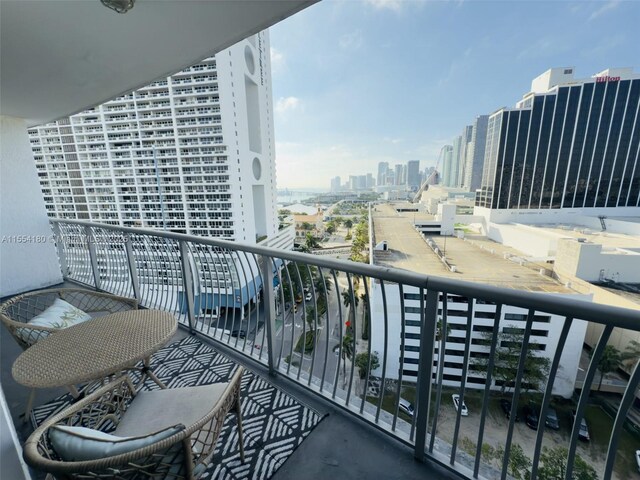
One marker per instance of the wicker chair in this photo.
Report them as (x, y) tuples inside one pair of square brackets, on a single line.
[(16, 312), (184, 455)]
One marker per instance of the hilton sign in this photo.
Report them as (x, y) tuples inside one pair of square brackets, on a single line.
[(607, 79)]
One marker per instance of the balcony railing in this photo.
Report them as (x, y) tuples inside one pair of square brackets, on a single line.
[(216, 288)]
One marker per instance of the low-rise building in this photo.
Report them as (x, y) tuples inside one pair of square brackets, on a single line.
[(399, 313), (313, 223)]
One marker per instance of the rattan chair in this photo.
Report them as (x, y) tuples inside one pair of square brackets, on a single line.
[(17, 311), (184, 455)]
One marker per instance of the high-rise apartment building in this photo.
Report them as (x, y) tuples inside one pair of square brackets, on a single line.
[(475, 154), (335, 184), (190, 153), (568, 144), (413, 174)]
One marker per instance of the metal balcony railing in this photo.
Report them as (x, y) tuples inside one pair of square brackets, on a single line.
[(303, 328)]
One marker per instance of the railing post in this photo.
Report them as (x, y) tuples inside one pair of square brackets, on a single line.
[(62, 256), (187, 283), (133, 271), (425, 371), (88, 233), (266, 270)]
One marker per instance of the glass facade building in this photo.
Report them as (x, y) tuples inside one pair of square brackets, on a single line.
[(575, 146)]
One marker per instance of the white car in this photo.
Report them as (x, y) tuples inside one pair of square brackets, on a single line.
[(406, 407), (308, 298), (638, 459), (456, 402)]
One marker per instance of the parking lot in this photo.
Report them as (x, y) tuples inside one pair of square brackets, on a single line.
[(496, 425)]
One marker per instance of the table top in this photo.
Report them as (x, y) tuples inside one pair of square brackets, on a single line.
[(94, 349)]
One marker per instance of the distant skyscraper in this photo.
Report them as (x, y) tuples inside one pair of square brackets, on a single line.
[(456, 161), (447, 159), (370, 180), (475, 154), (413, 174), (398, 174), (568, 144), (465, 147), (383, 173), (192, 153), (335, 184)]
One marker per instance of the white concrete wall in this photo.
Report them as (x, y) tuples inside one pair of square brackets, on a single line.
[(565, 378), (529, 240), (12, 465), (28, 258), (447, 217), (588, 262), (586, 217)]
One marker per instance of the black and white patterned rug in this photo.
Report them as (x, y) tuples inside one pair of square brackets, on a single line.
[(274, 423)]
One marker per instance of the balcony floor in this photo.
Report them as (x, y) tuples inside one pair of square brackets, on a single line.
[(341, 446)]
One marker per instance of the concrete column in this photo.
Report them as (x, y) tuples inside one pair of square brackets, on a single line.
[(28, 258)]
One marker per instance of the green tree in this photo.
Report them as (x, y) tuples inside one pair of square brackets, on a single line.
[(610, 361), (307, 226), (362, 362), (553, 465), (348, 223), (310, 241), (348, 350), (507, 360), (519, 463), (346, 301), (330, 228), (632, 351)]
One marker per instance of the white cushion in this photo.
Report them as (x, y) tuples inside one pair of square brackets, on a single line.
[(77, 444), (59, 315), (154, 410)]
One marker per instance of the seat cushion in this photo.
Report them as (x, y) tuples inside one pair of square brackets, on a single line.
[(76, 444), (159, 409), (60, 314)]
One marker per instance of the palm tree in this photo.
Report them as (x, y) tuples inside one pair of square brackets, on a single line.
[(610, 361), (632, 351), (348, 351), (346, 300)]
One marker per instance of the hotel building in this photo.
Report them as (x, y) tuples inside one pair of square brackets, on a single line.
[(569, 144)]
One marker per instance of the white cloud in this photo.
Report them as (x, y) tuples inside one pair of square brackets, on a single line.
[(607, 6), (395, 5), (285, 104), (351, 41), (277, 60)]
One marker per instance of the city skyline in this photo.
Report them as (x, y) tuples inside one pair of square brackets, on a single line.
[(358, 83)]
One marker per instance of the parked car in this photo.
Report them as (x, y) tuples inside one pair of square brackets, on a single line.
[(638, 459), (406, 407), (583, 433), (530, 414), (551, 419), (238, 332), (456, 401), (308, 297), (506, 408)]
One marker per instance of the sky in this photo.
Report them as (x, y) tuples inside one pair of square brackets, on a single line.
[(357, 82)]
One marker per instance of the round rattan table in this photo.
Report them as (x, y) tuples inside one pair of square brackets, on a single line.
[(95, 349)]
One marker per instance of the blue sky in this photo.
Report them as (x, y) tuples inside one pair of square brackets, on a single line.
[(359, 82)]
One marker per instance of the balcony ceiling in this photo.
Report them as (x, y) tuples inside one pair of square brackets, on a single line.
[(59, 57)]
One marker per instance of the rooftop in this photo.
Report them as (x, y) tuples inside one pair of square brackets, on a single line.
[(606, 238), (409, 251)]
